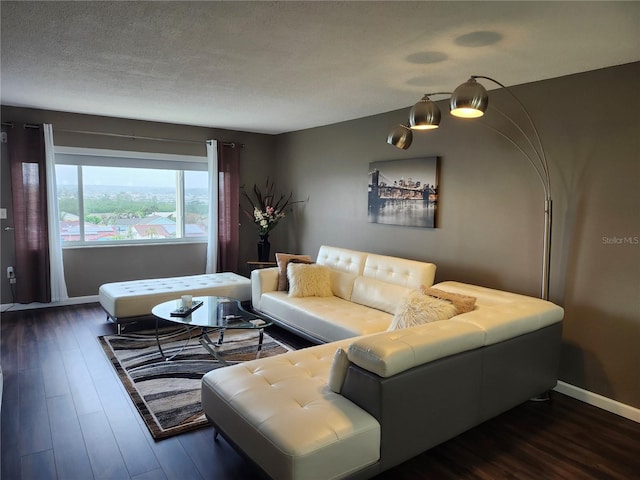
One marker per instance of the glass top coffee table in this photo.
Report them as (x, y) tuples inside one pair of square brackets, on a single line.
[(215, 314)]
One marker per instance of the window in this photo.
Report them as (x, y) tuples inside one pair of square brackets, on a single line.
[(111, 197)]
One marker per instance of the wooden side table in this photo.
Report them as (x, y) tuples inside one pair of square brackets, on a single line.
[(256, 265)]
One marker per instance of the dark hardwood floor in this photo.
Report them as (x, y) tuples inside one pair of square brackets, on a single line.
[(65, 415)]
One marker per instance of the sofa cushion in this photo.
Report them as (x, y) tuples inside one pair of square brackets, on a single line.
[(399, 271), (324, 319), (345, 266), (309, 280), (342, 283), (342, 259), (283, 259), (417, 308), (378, 294), (389, 353)]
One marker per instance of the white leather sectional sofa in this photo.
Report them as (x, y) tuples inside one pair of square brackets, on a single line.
[(359, 405)]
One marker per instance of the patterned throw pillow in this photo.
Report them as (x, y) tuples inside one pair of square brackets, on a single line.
[(283, 260)]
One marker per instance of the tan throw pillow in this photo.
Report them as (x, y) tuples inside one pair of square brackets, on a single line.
[(309, 280), (283, 260), (338, 371), (463, 303), (417, 309)]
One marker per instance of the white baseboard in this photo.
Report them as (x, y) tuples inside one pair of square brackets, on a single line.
[(626, 411), (29, 306)]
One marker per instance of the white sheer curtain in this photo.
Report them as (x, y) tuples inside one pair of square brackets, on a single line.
[(212, 240), (56, 267)]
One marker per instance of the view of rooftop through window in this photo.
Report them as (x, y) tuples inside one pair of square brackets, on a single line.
[(108, 204)]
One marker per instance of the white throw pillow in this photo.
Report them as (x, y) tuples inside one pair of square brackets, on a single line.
[(309, 280), (338, 370), (416, 309)]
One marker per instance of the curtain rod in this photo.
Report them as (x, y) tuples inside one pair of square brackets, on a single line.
[(137, 137), (120, 135), (26, 125)]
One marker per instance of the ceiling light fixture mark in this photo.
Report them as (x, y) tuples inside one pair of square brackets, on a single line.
[(481, 38), (423, 80), (427, 57)]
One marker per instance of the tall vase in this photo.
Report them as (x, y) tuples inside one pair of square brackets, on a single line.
[(264, 248)]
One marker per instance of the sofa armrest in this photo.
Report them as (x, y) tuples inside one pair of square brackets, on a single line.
[(390, 353), (263, 280)]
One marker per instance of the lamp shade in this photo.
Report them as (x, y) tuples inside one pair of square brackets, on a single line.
[(424, 115), (401, 137), (469, 100)]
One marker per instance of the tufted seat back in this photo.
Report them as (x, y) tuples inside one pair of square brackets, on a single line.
[(346, 265), (399, 271), (342, 259), (376, 281), (385, 280)]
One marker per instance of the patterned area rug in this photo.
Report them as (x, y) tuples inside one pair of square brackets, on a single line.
[(167, 393)]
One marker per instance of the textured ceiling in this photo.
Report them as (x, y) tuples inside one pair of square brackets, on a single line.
[(275, 67)]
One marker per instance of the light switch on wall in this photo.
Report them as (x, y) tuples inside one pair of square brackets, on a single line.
[(3, 213)]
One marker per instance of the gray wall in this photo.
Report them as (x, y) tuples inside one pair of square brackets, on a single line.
[(87, 268), (490, 214), (490, 218)]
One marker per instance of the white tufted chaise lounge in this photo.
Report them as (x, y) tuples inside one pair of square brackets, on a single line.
[(282, 414), (127, 301)]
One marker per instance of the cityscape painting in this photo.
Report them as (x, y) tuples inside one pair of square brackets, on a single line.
[(404, 192)]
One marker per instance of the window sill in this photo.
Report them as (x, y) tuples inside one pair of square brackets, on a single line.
[(73, 246)]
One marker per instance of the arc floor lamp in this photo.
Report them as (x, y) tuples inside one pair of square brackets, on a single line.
[(470, 100)]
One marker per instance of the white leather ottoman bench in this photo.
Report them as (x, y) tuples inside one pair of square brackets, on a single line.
[(127, 301), (282, 414)]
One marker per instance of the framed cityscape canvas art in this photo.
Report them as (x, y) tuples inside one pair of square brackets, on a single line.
[(404, 192)]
